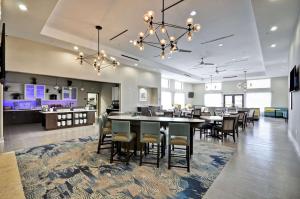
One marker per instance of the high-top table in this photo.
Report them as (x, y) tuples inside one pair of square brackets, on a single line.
[(191, 121)]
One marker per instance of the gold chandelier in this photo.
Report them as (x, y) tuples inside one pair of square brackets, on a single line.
[(99, 61), (166, 41)]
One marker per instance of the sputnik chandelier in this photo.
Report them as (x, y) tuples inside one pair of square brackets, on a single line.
[(100, 60), (171, 41)]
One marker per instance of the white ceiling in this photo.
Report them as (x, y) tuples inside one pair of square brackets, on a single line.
[(71, 22)]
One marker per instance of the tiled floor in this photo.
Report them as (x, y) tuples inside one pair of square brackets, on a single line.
[(264, 166)]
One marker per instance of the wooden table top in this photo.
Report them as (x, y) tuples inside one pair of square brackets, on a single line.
[(155, 119)]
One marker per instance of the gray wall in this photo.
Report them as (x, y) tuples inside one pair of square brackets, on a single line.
[(294, 114), (279, 90)]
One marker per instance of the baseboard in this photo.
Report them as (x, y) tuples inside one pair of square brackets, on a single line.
[(295, 143)]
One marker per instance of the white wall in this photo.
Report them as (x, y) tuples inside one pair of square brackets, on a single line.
[(36, 58), (279, 90), (186, 89), (294, 114)]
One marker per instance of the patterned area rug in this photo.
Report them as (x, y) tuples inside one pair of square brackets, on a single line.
[(73, 169)]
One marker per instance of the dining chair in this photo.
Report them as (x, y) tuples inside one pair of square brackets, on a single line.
[(121, 133), (205, 128), (228, 127), (242, 120), (150, 134), (250, 118), (179, 135), (196, 113), (104, 133)]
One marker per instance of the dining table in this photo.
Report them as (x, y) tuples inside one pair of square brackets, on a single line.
[(132, 118)]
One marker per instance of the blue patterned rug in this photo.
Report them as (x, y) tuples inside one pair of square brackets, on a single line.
[(73, 169)]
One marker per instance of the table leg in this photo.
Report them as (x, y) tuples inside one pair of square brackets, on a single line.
[(191, 140)]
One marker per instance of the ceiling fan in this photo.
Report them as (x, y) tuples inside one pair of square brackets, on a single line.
[(219, 71), (202, 63)]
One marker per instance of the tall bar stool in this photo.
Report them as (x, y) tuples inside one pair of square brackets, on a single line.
[(179, 134), (104, 133), (121, 134), (150, 133)]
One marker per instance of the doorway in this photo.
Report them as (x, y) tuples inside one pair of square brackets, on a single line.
[(93, 102), (235, 100)]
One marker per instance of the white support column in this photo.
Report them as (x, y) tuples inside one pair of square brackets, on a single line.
[(1, 113)]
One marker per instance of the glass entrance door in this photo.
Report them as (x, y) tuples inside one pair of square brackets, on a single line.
[(236, 100)]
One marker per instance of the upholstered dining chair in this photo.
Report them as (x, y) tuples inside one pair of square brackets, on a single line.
[(196, 113), (228, 127), (104, 133), (179, 135), (150, 134), (242, 120), (121, 133), (250, 118)]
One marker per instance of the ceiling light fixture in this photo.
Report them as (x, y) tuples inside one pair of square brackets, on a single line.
[(99, 61), (23, 7), (220, 45), (243, 85), (135, 64), (273, 45), (193, 13), (76, 48), (165, 41), (273, 28)]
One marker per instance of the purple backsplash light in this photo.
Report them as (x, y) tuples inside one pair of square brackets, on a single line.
[(31, 104)]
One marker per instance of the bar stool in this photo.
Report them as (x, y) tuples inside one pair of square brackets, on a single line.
[(104, 132), (150, 133), (121, 134), (179, 134)]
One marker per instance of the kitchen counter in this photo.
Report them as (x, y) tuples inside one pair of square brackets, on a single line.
[(26, 116), (67, 119), (58, 112)]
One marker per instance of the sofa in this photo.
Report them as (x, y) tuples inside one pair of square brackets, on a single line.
[(281, 112)]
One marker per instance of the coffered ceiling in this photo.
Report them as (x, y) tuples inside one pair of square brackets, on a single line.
[(66, 23)]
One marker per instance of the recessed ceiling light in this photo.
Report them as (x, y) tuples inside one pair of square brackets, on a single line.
[(76, 48), (273, 28), (22, 7), (220, 45), (135, 64), (193, 13), (273, 45), (130, 41)]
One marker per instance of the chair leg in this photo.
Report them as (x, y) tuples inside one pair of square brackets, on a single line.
[(188, 158), (158, 154), (169, 156), (127, 153), (141, 153), (99, 144), (233, 136), (135, 147), (112, 151)]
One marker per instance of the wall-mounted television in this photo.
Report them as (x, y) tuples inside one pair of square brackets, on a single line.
[(294, 79), (2, 55)]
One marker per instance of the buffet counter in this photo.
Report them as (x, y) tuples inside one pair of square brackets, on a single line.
[(67, 118)]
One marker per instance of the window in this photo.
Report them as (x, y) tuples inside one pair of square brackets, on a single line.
[(178, 85), (258, 100), (166, 100), (258, 83), (213, 86), (213, 100), (179, 98), (165, 83)]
